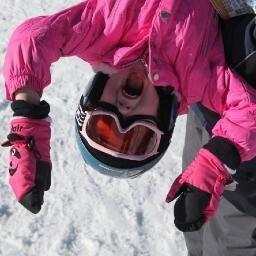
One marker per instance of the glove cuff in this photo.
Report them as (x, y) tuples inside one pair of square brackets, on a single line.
[(225, 151), (33, 111)]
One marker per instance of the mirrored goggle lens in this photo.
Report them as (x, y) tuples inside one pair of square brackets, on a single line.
[(138, 140)]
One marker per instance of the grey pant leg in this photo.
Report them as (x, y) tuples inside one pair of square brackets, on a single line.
[(195, 137), (230, 232)]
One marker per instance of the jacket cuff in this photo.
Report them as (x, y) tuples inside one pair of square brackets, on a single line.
[(18, 82), (225, 151)]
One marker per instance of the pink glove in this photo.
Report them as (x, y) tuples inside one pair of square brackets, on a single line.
[(198, 190), (30, 163)]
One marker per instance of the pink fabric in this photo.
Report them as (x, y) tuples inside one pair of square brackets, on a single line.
[(207, 173), (23, 179), (184, 48)]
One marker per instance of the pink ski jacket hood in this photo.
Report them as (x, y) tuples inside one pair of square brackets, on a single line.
[(183, 45)]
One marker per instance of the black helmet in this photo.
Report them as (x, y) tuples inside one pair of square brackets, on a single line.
[(117, 165)]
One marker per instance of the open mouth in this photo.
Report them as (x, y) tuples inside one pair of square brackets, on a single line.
[(134, 85)]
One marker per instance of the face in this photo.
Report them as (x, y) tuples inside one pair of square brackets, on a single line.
[(15, 157), (131, 92)]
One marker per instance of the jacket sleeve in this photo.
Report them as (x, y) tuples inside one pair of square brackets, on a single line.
[(238, 118), (40, 41)]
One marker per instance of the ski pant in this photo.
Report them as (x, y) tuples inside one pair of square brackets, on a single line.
[(230, 232)]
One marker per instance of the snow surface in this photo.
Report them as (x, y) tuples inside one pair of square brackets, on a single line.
[(84, 213)]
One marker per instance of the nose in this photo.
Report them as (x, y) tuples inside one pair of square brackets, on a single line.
[(124, 108)]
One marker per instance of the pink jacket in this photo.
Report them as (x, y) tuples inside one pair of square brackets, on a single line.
[(184, 46)]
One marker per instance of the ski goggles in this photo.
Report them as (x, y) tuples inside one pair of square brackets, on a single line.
[(102, 131)]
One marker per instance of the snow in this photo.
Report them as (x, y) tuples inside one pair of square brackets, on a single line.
[(85, 213)]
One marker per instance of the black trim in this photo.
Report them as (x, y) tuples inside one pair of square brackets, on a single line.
[(225, 151), (25, 109), (189, 208), (33, 200)]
